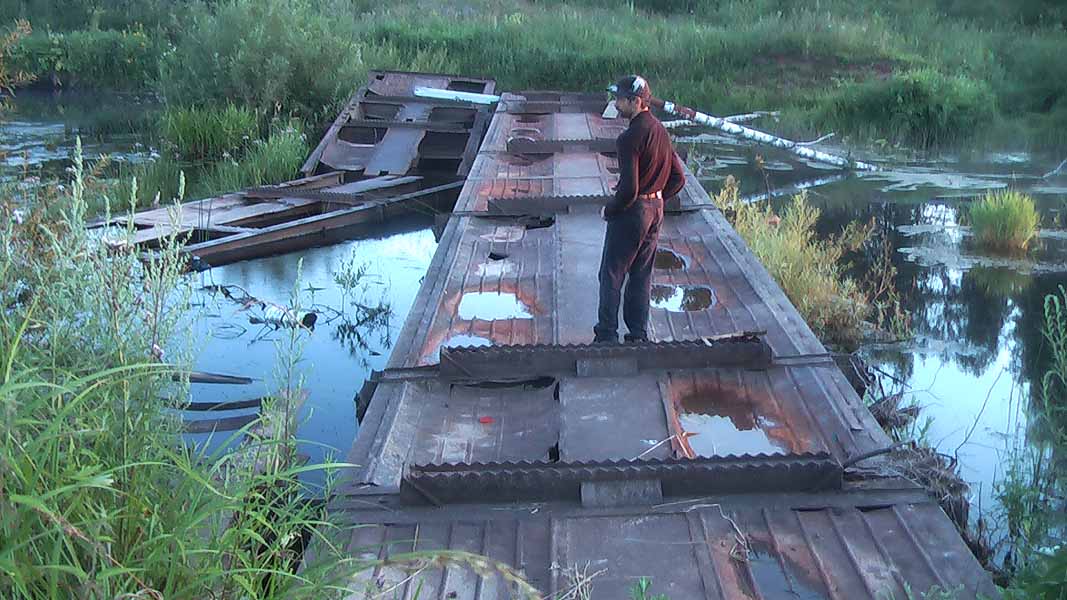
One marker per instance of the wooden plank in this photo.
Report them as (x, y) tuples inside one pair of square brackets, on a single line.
[(223, 424), (241, 244), (230, 405)]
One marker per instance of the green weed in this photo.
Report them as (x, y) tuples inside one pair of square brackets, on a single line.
[(640, 590), (1004, 220), (808, 269), (124, 60), (199, 134)]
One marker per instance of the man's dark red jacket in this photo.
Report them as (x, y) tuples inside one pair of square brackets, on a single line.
[(647, 163)]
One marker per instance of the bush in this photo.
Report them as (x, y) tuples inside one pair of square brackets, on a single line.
[(294, 55), (1004, 220), (100, 59), (920, 107), (808, 270), (207, 133)]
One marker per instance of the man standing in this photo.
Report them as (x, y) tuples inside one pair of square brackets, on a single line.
[(649, 171)]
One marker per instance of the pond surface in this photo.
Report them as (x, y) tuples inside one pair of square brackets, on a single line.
[(39, 129), (337, 356), (977, 349)]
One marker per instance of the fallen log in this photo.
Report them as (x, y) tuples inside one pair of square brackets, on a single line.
[(752, 116), (760, 137)]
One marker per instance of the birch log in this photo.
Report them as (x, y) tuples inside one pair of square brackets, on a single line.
[(752, 116), (760, 137)]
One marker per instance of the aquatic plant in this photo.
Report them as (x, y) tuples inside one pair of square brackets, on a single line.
[(208, 133), (10, 76), (1004, 220), (808, 269), (273, 160), (123, 60)]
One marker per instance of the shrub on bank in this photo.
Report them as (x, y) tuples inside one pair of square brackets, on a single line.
[(119, 60), (920, 107), (293, 56), (808, 269), (1004, 220)]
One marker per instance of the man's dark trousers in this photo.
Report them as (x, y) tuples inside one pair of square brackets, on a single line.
[(629, 249)]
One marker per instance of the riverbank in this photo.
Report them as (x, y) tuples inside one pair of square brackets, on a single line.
[(910, 73)]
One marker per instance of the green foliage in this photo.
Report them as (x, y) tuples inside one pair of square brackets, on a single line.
[(103, 59), (808, 269), (298, 56), (207, 133), (640, 590), (98, 496), (66, 15), (1004, 220), (919, 107), (275, 159)]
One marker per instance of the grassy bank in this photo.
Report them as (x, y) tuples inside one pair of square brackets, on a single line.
[(919, 72)]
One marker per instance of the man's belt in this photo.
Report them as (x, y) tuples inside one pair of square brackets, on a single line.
[(652, 196)]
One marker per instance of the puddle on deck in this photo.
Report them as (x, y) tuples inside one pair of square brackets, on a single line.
[(682, 298), (770, 580), (725, 428), (669, 260), (492, 306)]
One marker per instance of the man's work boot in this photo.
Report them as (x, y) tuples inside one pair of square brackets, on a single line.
[(635, 339), (601, 339)]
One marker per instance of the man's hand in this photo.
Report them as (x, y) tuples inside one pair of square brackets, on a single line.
[(602, 214)]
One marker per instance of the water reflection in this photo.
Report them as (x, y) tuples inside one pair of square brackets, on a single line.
[(38, 131), (353, 333), (977, 355), (682, 298)]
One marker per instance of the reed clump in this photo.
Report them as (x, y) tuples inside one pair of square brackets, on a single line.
[(1004, 221), (808, 269)]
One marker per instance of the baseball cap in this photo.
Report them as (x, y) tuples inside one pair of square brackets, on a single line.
[(631, 86)]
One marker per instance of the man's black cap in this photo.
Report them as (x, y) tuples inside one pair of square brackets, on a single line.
[(631, 86)]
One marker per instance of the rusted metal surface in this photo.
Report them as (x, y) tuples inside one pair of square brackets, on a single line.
[(386, 129), (710, 460), (886, 544)]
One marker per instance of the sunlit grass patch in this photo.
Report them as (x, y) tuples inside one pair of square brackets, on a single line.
[(1004, 220), (808, 269)]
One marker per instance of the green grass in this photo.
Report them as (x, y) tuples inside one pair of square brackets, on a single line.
[(199, 134), (276, 159), (1004, 221), (917, 72)]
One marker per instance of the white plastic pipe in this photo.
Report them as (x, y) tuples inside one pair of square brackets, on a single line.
[(439, 94)]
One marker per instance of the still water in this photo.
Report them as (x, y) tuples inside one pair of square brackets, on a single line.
[(977, 348), (347, 342)]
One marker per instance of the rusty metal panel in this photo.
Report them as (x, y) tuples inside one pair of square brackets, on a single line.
[(712, 548), (385, 129)]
